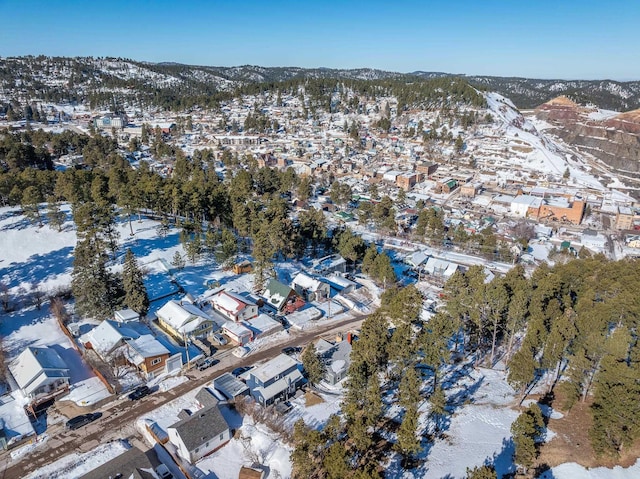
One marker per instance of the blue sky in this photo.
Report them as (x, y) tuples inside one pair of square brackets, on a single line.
[(535, 38)]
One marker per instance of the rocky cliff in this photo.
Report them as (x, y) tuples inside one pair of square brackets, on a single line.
[(610, 137)]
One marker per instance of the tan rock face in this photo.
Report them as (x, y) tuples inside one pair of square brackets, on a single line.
[(616, 140)]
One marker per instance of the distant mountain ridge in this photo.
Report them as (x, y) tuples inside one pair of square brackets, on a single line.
[(73, 77)]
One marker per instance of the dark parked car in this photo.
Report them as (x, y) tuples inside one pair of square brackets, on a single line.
[(82, 420), (139, 393), (206, 363), (241, 370), (290, 350)]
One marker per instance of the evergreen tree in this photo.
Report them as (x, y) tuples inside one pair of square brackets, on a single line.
[(135, 291), (178, 261), (526, 431), (438, 402), (482, 472), (31, 198), (95, 289), (408, 443), (335, 462), (55, 215), (312, 364)]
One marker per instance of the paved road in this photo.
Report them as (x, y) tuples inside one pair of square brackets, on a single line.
[(118, 420)]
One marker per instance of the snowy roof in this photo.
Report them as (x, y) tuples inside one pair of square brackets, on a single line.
[(280, 385), (127, 314), (108, 335), (263, 323), (274, 367), (181, 316), (276, 293), (527, 200), (229, 385), (229, 302), (33, 362), (306, 282), (440, 266), (236, 329), (416, 259), (147, 346), (341, 281)]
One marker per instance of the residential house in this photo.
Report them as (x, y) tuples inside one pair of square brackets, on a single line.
[(148, 354), (331, 264), (337, 359), (311, 289), (182, 319), (440, 267), (237, 332), (230, 386), (274, 380), (199, 434), (281, 297), (125, 315), (108, 336), (342, 284), (131, 464), (233, 306), (41, 374), (242, 267)]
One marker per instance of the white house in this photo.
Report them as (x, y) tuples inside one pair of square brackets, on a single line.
[(233, 306), (107, 337), (199, 434), (40, 373), (274, 380), (237, 332), (184, 319), (125, 315), (311, 289), (440, 267)]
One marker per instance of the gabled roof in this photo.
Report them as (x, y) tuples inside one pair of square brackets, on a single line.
[(276, 293), (108, 335), (131, 464), (307, 282), (230, 302), (33, 362), (274, 367), (183, 317), (146, 346), (201, 427)]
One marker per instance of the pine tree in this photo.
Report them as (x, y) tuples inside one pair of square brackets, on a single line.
[(438, 402), (482, 472), (312, 364), (526, 431), (95, 289), (335, 461), (178, 261), (55, 215), (135, 291), (30, 203), (408, 443)]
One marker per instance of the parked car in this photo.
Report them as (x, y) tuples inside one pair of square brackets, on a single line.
[(241, 370), (139, 393), (291, 350), (163, 472), (219, 339), (82, 420), (206, 363)]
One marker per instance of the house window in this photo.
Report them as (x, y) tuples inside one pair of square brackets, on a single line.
[(221, 436), (197, 450), (156, 361)]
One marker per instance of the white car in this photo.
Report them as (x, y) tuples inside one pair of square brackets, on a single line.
[(241, 351), (219, 339)]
